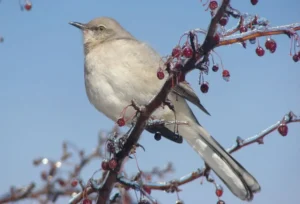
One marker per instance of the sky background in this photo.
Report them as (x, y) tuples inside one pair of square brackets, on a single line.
[(43, 100)]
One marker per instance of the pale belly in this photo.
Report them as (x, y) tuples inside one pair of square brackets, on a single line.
[(110, 96)]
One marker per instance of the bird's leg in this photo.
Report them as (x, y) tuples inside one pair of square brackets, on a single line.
[(171, 106)]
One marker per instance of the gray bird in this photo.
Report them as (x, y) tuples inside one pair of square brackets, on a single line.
[(119, 68)]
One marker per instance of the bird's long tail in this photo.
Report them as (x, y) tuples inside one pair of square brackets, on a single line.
[(234, 175)]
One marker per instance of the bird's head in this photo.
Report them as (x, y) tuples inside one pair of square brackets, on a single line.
[(100, 30)]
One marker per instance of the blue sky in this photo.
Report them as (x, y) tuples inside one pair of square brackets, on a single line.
[(43, 100)]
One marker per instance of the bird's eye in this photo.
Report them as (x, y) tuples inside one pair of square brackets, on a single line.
[(101, 28)]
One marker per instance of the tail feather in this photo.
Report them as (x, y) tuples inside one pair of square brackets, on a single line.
[(235, 177), (239, 181)]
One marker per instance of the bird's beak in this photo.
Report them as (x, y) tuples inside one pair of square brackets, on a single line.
[(81, 26)]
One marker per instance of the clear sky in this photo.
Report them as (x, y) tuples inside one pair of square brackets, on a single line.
[(43, 100)]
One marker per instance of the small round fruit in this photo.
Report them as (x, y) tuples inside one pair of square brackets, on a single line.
[(121, 122), (296, 58), (112, 163), (243, 29), (271, 45), (105, 165), (224, 20), (176, 51), (260, 51), (204, 87), (61, 182), (219, 192), (213, 5), (215, 68), (226, 75), (216, 38), (160, 74), (187, 51), (74, 183), (254, 2), (283, 130), (28, 6), (220, 202)]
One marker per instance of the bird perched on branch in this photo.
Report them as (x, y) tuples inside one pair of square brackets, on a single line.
[(119, 68)]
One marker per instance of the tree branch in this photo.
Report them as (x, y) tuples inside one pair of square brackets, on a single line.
[(172, 186), (285, 29)]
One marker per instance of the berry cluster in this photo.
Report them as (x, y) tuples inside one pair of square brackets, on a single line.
[(181, 53), (114, 144), (176, 61)]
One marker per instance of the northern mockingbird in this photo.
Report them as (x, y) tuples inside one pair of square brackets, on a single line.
[(119, 68)]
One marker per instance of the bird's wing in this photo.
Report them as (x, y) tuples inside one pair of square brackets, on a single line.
[(184, 90)]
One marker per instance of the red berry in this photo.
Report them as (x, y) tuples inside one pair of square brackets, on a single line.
[(220, 202), (283, 129), (296, 58), (86, 201), (61, 182), (219, 192), (254, 2), (226, 75), (187, 51), (112, 163), (260, 51), (176, 51), (243, 29), (271, 45), (121, 122), (215, 68), (74, 183), (204, 87), (213, 5), (105, 165), (28, 6), (217, 38), (147, 189), (160, 74), (224, 20)]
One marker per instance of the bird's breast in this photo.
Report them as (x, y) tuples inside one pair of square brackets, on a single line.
[(113, 79)]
